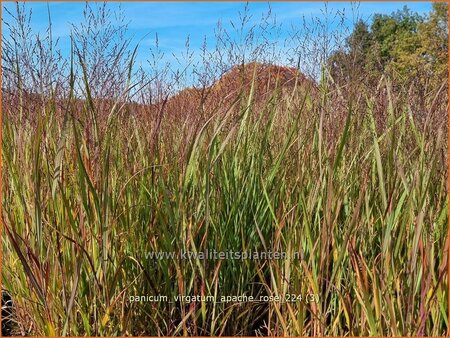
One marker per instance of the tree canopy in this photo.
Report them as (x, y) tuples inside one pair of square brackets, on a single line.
[(409, 48)]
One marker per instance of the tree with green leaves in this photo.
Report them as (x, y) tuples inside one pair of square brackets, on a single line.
[(410, 49)]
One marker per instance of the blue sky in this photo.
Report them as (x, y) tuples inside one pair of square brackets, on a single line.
[(174, 21)]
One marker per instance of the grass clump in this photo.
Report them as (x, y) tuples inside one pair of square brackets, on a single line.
[(92, 184)]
